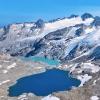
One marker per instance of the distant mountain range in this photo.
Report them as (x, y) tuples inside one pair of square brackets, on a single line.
[(68, 39)]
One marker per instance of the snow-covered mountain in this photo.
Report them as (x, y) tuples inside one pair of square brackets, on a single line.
[(74, 41), (66, 39)]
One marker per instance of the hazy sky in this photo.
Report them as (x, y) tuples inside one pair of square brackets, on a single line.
[(30, 10)]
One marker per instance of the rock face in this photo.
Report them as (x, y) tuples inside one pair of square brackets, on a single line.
[(96, 22), (86, 15), (39, 23)]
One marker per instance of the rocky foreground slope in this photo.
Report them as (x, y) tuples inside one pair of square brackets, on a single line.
[(12, 69)]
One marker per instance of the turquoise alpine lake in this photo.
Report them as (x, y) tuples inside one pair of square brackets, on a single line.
[(45, 83), (52, 62)]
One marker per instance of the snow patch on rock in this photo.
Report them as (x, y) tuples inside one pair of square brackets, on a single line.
[(84, 79), (4, 82), (50, 98), (91, 66), (94, 98), (11, 66)]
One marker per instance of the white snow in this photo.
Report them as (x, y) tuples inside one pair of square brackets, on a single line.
[(91, 66), (8, 68), (11, 66), (49, 27), (22, 97), (73, 43), (0, 66), (28, 25), (93, 37), (73, 67), (4, 71), (79, 71), (60, 24), (94, 98), (94, 82), (83, 79), (86, 53), (88, 21), (96, 36), (89, 30), (50, 98), (72, 32), (4, 82)]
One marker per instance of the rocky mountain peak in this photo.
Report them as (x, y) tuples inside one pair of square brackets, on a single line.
[(39, 23), (86, 15)]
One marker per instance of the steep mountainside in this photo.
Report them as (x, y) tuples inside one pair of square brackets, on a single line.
[(65, 39)]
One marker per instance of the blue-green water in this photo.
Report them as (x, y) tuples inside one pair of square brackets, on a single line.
[(44, 60), (44, 84)]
